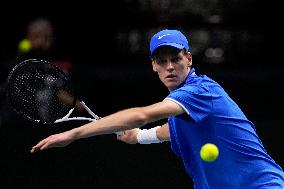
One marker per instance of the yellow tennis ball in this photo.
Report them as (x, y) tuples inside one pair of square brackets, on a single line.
[(25, 45), (209, 152)]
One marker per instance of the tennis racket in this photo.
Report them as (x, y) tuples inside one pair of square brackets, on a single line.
[(41, 92)]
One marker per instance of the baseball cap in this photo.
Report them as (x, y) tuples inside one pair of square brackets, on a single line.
[(168, 37)]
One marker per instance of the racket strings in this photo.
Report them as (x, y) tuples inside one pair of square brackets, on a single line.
[(40, 92)]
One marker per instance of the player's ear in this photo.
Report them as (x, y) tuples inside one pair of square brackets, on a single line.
[(154, 66), (189, 57)]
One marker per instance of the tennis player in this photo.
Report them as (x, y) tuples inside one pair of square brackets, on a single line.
[(199, 111)]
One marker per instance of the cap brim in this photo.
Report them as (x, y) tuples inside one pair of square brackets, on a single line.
[(179, 46)]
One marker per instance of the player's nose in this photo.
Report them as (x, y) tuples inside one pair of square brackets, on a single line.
[(170, 65)]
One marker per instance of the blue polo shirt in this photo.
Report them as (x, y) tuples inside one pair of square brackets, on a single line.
[(213, 117)]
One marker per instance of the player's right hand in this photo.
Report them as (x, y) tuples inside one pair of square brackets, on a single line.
[(129, 136)]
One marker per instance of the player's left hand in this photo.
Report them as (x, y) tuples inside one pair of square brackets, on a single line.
[(57, 140)]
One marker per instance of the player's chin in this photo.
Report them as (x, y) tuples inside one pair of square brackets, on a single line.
[(171, 85)]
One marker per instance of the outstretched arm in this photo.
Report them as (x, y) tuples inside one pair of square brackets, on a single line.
[(120, 121)]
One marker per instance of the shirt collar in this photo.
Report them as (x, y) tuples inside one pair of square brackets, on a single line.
[(190, 74)]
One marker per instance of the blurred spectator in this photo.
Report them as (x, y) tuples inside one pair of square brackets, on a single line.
[(39, 43)]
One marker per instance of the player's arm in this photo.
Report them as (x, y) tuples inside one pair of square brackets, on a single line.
[(128, 119), (120, 121)]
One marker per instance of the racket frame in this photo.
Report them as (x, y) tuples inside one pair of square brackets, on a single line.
[(68, 118)]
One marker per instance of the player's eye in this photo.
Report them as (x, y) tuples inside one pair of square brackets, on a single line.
[(175, 59), (161, 61)]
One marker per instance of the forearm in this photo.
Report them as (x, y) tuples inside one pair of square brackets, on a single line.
[(122, 120), (163, 133)]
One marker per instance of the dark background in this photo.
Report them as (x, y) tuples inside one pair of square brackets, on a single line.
[(233, 42)]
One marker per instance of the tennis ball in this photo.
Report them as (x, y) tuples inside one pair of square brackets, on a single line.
[(25, 46), (209, 152)]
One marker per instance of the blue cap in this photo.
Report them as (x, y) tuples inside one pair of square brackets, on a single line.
[(167, 37)]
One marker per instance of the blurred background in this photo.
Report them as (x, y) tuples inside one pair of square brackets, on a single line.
[(105, 49)]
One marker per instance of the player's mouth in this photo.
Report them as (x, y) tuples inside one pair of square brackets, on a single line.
[(171, 76)]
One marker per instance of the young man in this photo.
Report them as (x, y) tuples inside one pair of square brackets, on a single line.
[(199, 111)]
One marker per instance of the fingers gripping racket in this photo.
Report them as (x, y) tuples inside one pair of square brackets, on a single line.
[(41, 92)]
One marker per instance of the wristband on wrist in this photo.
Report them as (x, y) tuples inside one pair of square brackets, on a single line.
[(148, 136)]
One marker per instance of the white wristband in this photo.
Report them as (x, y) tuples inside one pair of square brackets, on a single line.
[(148, 136)]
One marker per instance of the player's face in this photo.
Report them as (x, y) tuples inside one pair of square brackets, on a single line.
[(172, 66)]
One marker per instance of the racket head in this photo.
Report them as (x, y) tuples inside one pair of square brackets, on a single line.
[(40, 91)]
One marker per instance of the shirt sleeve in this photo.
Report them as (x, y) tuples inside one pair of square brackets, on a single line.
[(197, 104)]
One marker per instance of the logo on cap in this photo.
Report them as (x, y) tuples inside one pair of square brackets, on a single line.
[(161, 36), (167, 37)]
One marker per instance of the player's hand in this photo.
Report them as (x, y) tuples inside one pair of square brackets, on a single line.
[(129, 136), (57, 140)]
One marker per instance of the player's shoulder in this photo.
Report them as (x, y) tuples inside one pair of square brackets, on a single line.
[(200, 85), (206, 81), (199, 81)]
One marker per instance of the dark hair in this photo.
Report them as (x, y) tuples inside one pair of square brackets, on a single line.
[(169, 49)]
